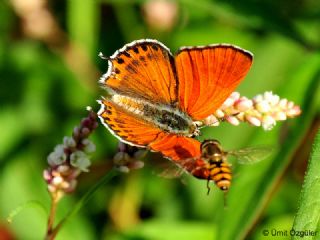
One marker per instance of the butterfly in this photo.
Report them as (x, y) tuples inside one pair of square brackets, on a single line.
[(155, 98)]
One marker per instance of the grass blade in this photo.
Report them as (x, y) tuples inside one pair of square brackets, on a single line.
[(308, 215)]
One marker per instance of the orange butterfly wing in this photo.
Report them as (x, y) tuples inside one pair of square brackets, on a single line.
[(208, 75), (142, 69), (177, 147), (127, 127)]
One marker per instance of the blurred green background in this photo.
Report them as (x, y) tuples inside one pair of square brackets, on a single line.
[(49, 68)]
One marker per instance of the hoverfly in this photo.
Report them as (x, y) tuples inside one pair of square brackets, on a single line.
[(213, 165)]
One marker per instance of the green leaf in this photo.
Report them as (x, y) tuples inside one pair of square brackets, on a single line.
[(308, 215), (29, 204)]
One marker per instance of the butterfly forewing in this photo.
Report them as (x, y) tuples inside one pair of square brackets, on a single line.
[(208, 75), (251, 155), (143, 69)]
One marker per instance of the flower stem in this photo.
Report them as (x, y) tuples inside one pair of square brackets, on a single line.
[(52, 232), (54, 203)]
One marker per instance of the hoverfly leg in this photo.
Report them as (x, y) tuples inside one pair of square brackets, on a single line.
[(225, 200)]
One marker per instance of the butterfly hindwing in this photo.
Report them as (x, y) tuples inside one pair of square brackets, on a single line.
[(177, 147), (126, 126)]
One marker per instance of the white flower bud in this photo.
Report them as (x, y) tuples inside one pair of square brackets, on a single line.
[(280, 116), (57, 180), (268, 122), (263, 106), (89, 146), (227, 103), (121, 158), (235, 96), (46, 175), (219, 113), (52, 188), (283, 103), (123, 169), (80, 160), (58, 156), (254, 121), (211, 120), (258, 98), (243, 104), (233, 120), (69, 142), (137, 165)]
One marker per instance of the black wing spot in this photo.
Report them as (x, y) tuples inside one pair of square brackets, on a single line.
[(120, 60), (155, 47), (126, 54), (150, 56), (135, 63), (116, 70), (131, 69), (182, 152), (144, 47), (142, 58), (135, 49)]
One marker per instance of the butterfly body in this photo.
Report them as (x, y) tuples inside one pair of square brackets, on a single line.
[(163, 116)]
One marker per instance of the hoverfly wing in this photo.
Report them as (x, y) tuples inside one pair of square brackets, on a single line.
[(251, 155), (171, 171), (175, 169)]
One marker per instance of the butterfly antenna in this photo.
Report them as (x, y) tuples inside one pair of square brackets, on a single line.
[(208, 187), (102, 56)]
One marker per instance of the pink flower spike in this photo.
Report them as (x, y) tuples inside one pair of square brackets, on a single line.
[(263, 110)]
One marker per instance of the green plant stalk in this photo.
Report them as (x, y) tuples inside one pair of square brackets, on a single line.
[(308, 215), (113, 172)]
